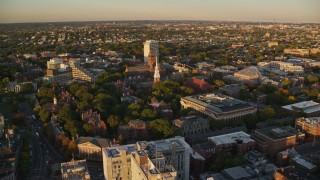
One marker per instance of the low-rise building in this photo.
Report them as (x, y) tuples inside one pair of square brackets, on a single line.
[(272, 140), (309, 125), (232, 90), (93, 119), (46, 54), (75, 170), (218, 106), (90, 148), (286, 67), (59, 76), (272, 43), (199, 84), (293, 172), (190, 125), (17, 87), (238, 142), (308, 108), (297, 52), (135, 130)]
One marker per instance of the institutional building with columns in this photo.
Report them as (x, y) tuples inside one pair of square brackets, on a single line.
[(219, 106)]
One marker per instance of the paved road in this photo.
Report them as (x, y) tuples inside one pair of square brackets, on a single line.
[(41, 149)]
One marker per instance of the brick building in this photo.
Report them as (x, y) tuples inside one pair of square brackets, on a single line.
[(93, 119), (272, 140)]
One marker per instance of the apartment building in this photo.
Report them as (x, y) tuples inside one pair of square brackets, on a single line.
[(78, 72)]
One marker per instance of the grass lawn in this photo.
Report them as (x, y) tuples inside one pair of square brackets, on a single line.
[(6, 109)]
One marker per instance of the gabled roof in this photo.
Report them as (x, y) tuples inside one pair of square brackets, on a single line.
[(251, 71), (100, 142)]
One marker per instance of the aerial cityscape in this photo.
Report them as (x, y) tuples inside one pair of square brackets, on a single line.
[(168, 90)]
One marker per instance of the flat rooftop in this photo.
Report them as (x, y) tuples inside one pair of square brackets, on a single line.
[(236, 137), (166, 144), (235, 87), (275, 133), (115, 150), (313, 121), (237, 173), (75, 169), (306, 106), (218, 102), (186, 120)]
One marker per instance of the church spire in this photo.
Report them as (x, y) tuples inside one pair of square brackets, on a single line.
[(156, 71)]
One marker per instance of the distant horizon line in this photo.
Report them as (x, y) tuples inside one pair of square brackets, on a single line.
[(172, 20)]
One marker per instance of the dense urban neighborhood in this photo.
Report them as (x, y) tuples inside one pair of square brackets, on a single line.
[(170, 100)]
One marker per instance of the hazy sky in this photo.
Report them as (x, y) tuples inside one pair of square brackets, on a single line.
[(83, 10)]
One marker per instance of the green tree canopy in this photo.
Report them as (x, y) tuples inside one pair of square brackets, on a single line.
[(163, 128)]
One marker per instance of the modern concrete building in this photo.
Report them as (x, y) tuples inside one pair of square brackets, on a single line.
[(272, 140), (57, 71), (117, 162), (286, 67), (91, 147), (147, 166), (78, 72), (164, 159), (54, 63), (148, 46), (309, 125), (75, 170), (308, 108), (218, 106), (60, 75), (176, 152)]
